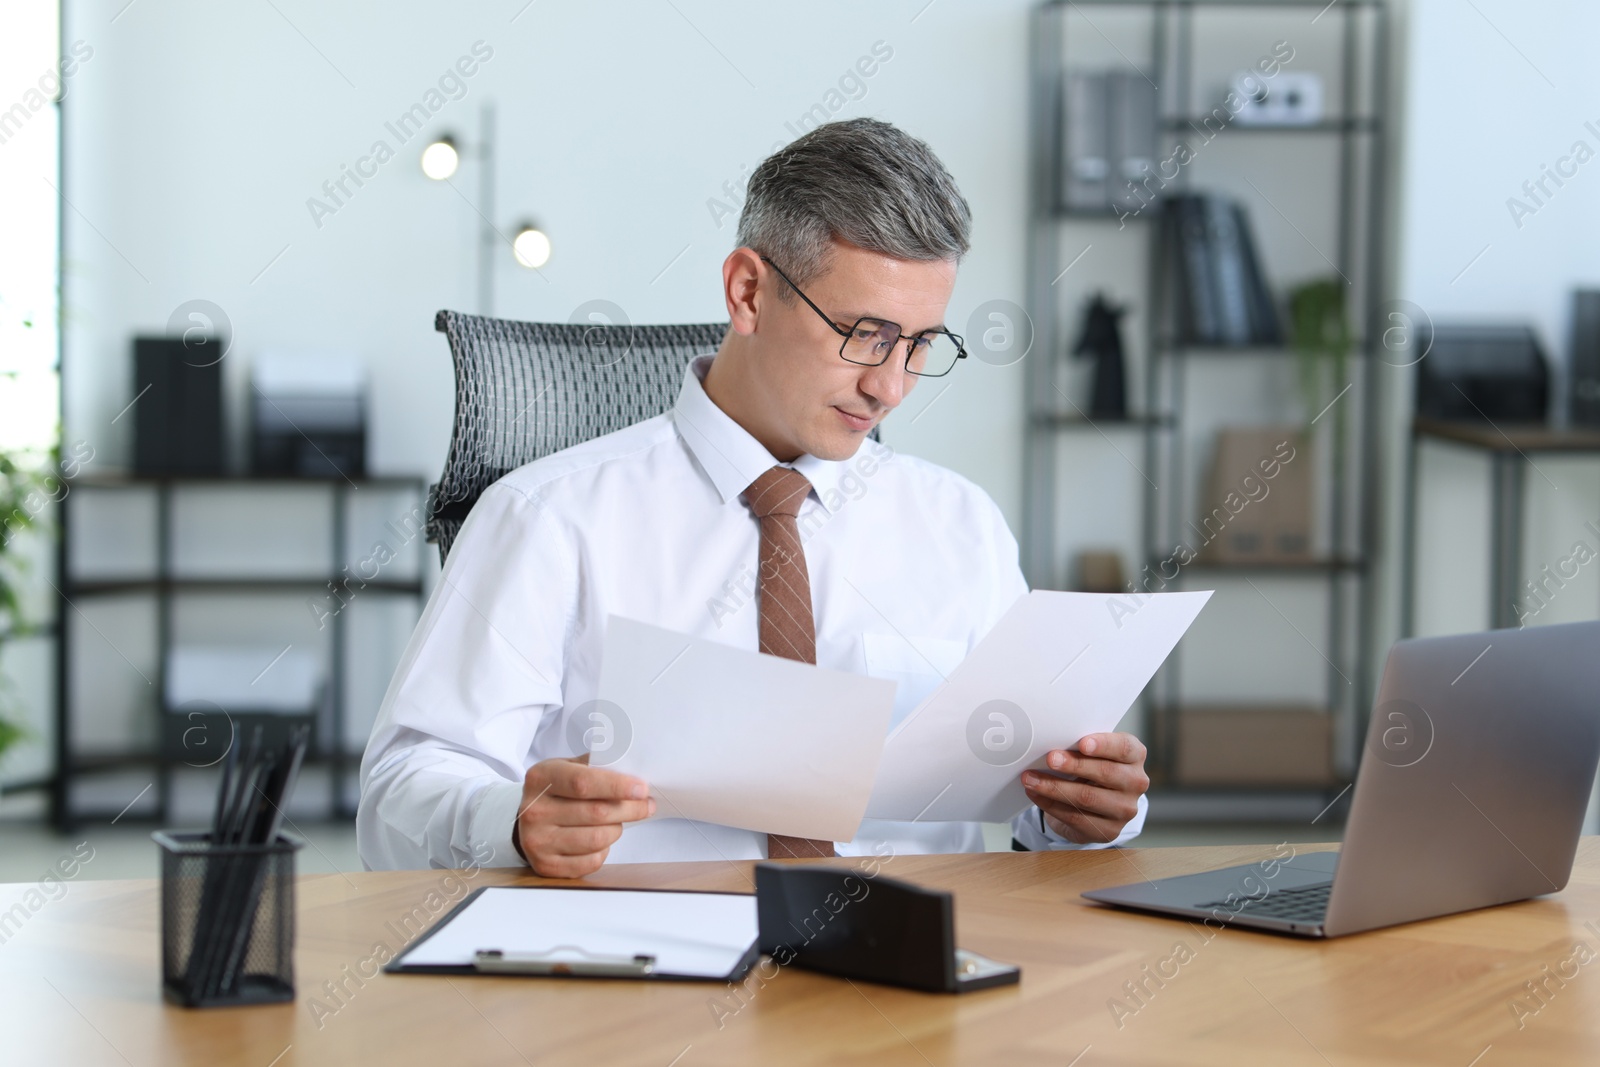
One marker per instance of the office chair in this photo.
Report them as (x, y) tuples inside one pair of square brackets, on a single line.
[(527, 389)]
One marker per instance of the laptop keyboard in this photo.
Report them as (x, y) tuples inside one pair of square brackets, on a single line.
[(1305, 904)]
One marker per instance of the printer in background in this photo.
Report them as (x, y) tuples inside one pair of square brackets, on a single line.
[(308, 416), (1483, 374)]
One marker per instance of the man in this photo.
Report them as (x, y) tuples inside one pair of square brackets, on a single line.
[(760, 478)]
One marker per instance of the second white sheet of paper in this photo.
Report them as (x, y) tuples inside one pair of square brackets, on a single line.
[(1056, 667)]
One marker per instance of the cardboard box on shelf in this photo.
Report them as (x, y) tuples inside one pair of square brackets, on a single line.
[(1257, 503), (1254, 746), (1099, 572)]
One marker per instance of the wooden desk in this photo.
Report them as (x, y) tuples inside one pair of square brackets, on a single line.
[(1507, 448), (79, 984)]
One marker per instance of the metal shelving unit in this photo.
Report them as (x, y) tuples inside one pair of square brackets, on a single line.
[(165, 584), (1162, 410)]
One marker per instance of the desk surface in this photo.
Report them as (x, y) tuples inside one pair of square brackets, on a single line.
[(79, 984)]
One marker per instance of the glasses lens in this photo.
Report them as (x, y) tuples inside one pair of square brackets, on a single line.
[(933, 354), (871, 342)]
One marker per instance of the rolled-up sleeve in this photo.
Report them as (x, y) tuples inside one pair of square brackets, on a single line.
[(441, 779)]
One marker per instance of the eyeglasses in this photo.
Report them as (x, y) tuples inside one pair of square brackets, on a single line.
[(870, 342)]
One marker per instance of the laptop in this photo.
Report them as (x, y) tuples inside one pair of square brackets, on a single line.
[(1473, 786)]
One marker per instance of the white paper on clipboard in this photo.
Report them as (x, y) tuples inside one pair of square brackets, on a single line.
[(691, 935)]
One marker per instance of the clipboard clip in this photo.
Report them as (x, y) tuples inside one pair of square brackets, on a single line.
[(548, 962)]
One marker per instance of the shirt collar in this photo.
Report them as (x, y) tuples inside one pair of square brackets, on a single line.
[(726, 451)]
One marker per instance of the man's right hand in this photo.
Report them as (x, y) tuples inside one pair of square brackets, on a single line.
[(573, 813)]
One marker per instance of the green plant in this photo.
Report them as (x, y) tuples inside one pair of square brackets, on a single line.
[(25, 477), (1319, 333), (22, 499)]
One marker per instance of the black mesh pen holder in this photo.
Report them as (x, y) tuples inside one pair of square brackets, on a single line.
[(227, 920)]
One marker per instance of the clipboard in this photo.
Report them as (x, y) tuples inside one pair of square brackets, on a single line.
[(595, 932)]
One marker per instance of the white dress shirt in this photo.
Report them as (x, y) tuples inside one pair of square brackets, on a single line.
[(648, 523)]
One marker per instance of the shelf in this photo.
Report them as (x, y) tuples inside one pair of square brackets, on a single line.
[(116, 761), (1298, 751), (1055, 420), (1171, 349), (129, 480), (31, 632), (1318, 567), (164, 589), (1108, 215), (26, 785), (1361, 124), (115, 586)]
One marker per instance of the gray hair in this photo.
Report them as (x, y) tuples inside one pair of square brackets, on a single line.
[(860, 181)]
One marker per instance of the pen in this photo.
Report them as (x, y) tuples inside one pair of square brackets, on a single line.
[(272, 793)]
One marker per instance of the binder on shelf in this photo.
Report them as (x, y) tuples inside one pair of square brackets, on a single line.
[(1107, 142), (1085, 156), (556, 931), (1131, 139), (1233, 300), (1191, 285), (1219, 294)]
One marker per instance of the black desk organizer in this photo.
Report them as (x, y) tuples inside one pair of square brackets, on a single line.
[(227, 920)]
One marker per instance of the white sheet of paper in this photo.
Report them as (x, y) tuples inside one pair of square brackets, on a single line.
[(743, 739), (702, 935), (1057, 666)]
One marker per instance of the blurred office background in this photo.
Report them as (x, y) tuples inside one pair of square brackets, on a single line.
[(222, 397)]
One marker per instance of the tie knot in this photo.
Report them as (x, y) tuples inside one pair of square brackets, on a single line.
[(780, 491)]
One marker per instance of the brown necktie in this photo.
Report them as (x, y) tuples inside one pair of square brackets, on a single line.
[(785, 600)]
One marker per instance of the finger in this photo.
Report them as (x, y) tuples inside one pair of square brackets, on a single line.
[(569, 866), (1127, 777), (580, 840), (1097, 824), (1094, 768), (1082, 796), (569, 778), (560, 811), (1121, 747), (1085, 829)]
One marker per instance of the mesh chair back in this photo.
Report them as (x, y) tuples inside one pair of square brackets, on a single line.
[(527, 389)]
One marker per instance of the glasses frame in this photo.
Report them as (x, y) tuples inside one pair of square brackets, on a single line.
[(847, 332)]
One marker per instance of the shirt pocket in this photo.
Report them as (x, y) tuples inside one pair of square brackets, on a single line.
[(917, 664)]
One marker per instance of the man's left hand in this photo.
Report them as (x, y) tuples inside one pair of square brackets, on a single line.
[(1101, 794)]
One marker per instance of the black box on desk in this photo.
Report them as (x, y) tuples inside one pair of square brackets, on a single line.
[(308, 417), (1483, 373), (177, 406)]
